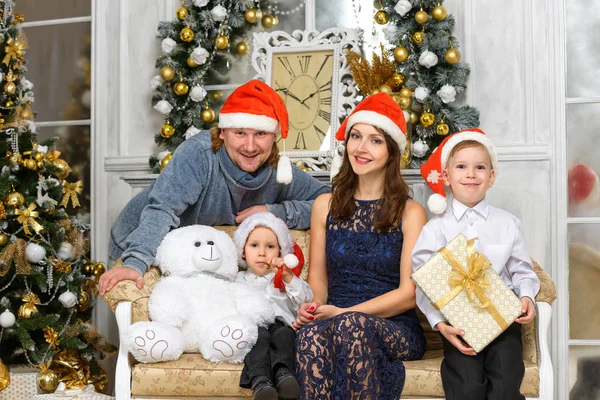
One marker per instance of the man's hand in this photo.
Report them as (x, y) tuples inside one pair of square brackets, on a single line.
[(328, 311), (452, 335), (242, 215), (305, 314), (117, 274), (527, 311)]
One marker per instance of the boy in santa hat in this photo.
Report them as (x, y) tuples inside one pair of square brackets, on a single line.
[(273, 261), (216, 178), (466, 162)]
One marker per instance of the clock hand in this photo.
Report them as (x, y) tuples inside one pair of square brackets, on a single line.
[(310, 96), (293, 96)]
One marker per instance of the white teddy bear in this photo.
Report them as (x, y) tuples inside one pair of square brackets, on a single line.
[(196, 306)]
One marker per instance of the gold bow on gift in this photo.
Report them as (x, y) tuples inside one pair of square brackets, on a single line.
[(27, 217), (13, 50), (71, 190), (473, 282), (15, 251)]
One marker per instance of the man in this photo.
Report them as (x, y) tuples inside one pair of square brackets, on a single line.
[(216, 179)]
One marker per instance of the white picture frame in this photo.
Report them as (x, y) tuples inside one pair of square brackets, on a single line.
[(344, 90)]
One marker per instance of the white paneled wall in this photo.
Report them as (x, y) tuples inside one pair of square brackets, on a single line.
[(510, 44)]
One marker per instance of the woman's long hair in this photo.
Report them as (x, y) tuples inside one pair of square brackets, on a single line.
[(388, 212), (217, 142)]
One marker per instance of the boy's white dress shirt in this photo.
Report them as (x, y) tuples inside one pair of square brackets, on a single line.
[(286, 304), (500, 238)]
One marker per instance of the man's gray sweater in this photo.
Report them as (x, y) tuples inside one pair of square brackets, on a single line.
[(202, 187)]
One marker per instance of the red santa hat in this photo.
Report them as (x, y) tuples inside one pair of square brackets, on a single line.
[(378, 110), (290, 252), (432, 169), (255, 105)]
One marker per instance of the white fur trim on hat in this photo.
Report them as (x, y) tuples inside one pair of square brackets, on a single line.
[(284, 170), (251, 121), (268, 220), (467, 135), (436, 203), (380, 121)]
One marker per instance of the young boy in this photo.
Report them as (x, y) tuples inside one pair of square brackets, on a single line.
[(466, 162), (264, 246)]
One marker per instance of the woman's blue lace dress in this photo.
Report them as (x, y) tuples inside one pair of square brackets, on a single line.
[(357, 355)]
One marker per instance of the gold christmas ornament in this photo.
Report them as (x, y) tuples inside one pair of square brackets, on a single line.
[(49, 208), (167, 73), (30, 163), (372, 78), (191, 63), (382, 17), (180, 88), (163, 164), (16, 158), (207, 115), (268, 21), (418, 37), (4, 376), (406, 92), (88, 268), (47, 380), (404, 102), (439, 13), (400, 54), (38, 156), (452, 56), (27, 309), (186, 34), (3, 239), (10, 103), (84, 299), (242, 48), (167, 131), (398, 80), (14, 199), (3, 214), (414, 118), (216, 95), (421, 17), (10, 88), (40, 164), (51, 337), (27, 113), (221, 42), (63, 169), (99, 269), (252, 15), (427, 118), (182, 13), (442, 129), (385, 89)]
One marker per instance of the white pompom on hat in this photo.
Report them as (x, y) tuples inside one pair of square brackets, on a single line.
[(255, 105), (433, 168), (378, 110), (290, 251)]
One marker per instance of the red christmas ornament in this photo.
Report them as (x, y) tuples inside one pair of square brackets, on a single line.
[(584, 185)]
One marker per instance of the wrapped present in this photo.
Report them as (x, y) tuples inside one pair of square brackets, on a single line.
[(461, 283), (22, 384)]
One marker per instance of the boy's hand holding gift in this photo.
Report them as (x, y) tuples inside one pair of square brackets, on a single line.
[(462, 284)]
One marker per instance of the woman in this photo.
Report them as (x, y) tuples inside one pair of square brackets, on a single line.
[(361, 323)]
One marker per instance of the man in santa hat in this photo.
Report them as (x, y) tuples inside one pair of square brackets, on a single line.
[(216, 178)]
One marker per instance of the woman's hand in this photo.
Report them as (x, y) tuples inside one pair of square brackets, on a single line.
[(305, 314), (328, 311), (452, 335)]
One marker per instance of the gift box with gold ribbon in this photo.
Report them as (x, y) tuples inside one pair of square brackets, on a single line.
[(461, 283)]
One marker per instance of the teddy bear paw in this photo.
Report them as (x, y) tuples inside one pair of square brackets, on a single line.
[(149, 346), (230, 342)]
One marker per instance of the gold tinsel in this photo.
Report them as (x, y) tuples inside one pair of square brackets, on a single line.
[(51, 337), (370, 78), (15, 251)]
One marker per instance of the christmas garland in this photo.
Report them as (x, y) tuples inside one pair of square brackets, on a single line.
[(199, 47)]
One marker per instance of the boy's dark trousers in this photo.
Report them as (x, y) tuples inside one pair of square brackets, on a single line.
[(274, 348), (495, 373)]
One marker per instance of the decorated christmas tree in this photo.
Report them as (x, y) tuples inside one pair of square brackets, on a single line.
[(429, 76), (199, 48), (47, 284)]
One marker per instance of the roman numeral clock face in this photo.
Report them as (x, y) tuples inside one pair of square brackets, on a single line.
[(304, 82)]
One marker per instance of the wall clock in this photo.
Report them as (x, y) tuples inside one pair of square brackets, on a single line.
[(308, 69)]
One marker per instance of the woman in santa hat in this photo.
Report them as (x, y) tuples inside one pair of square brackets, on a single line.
[(361, 324)]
